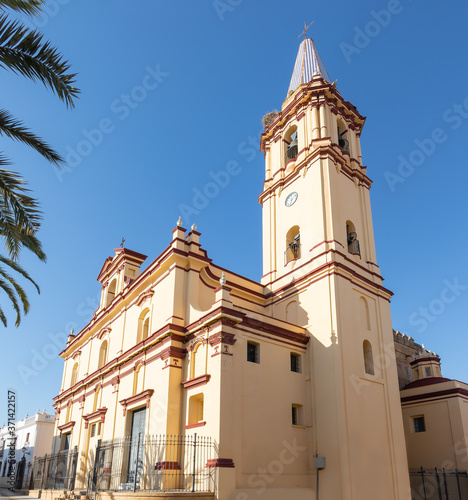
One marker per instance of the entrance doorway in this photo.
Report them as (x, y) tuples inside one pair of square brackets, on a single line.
[(94, 436), (135, 460)]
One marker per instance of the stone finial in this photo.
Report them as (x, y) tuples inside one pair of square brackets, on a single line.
[(194, 227), (179, 222), (72, 331), (223, 280), (27, 415), (44, 410), (38, 411)]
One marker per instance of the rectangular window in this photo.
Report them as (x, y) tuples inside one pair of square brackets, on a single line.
[(93, 430), (295, 363), (253, 352), (428, 372), (27, 437), (296, 415), (419, 424)]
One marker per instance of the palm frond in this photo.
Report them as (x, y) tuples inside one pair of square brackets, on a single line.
[(30, 7), (3, 317), (19, 215), (15, 197), (5, 286), (16, 239), (9, 230), (33, 244), (18, 289), (16, 267), (25, 52), (14, 129)]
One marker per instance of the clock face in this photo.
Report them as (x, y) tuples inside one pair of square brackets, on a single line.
[(291, 199)]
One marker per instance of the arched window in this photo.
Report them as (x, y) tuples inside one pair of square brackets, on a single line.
[(97, 395), (143, 326), (368, 357), (102, 354), (343, 141), (364, 308), (291, 144), (74, 375), (138, 380), (293, 245), (352, 239), (198, 360), (111, 292)]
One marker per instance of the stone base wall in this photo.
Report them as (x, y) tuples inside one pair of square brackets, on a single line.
[(113, 495)]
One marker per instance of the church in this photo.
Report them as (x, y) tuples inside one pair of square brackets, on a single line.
[(193, 379)]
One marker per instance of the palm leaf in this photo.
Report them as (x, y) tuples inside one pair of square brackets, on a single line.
[(31, 7), (18, 289), (14, 129), (15, 196), (16, 267), (25, 52), (33, 244), (19, 215), (3, 317), (9, 230), (5, 286)]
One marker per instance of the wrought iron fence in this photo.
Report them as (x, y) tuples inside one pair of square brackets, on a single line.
[(439, 484), (154, 463), (55, 472)]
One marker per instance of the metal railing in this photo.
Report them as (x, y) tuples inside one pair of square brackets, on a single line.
[(154, 463), (439, 484), (56, 471)]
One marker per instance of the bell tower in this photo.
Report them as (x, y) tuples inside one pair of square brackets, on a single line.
[(320, 271), (314, 177)]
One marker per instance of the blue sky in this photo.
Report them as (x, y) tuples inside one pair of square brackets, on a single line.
[(211, 71)]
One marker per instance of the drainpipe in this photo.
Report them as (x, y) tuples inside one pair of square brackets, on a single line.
[(319, 465)]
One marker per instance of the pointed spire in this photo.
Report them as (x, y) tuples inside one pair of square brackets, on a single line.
[(308, 64)]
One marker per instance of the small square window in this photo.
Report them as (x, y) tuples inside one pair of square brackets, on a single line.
[(419, 424), (253, 352), (428, 372), (296, 415), (93, 430), (295, 363)]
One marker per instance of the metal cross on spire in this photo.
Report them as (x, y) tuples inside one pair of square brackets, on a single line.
[(122, 243), (304, 31)]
